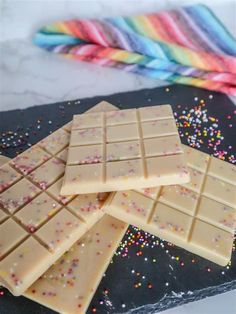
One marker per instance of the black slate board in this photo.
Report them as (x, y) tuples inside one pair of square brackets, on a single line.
[(169, 276)]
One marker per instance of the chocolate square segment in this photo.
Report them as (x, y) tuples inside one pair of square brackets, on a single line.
[(7, 177), (172, 222), (196, 159), (124, 132), (85, 206), (180, 198), (220, 190), (84, 174), (48, 173), (222, 170), (37, 211), (121, 117), (123, 150), (85, 155), (210, 238), (159, 128), (14, 235), (168, 167), (86, 136), (155, 113), (162, 146), (58, 232), (221, 215), (124, 170), (18, 195), (87, 120), (56, 141), (133, 204), (29, 160), (197, 180), (19, 266)]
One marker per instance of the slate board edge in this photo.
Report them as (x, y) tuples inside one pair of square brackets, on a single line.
[(178, 299), (108, 98)]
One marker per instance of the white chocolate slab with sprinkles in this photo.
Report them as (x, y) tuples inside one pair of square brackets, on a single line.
[(69, 285), (37, 224), (199, 216), (126, 149)]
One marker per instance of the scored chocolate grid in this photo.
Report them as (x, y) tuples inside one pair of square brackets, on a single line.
[(139, 123), (194, 215), (31, 243), (176, 208), (41, 191)]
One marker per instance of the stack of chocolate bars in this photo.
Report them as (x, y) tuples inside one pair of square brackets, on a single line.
[(66, 202)]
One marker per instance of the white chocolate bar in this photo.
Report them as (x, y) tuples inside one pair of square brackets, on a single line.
[(69, 285), (37, 224), (124, 149), (199, 216)]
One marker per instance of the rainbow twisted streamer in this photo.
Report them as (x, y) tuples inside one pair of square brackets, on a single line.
[(188, 45)]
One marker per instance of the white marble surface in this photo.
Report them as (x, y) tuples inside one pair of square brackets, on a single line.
[(30, 76)]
